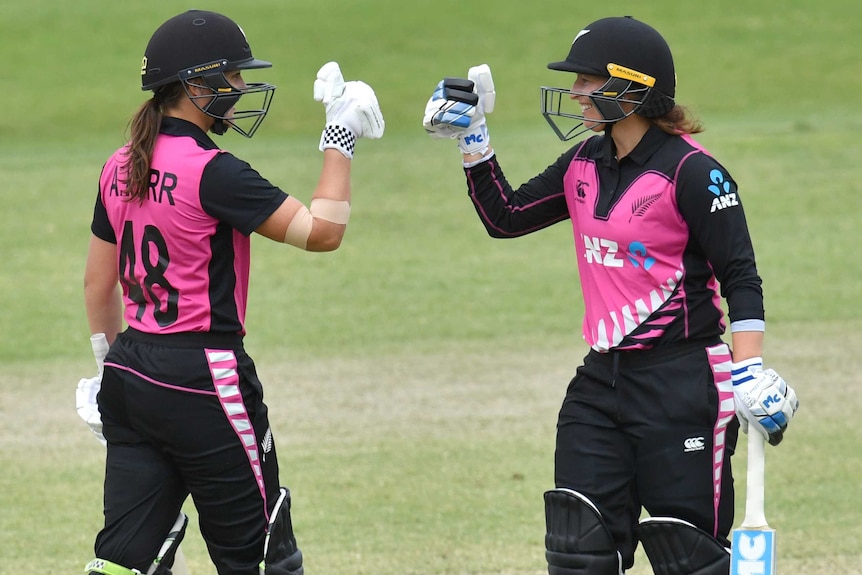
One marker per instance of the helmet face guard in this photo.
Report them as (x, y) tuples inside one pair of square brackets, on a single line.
[(197, 48), (220, 98), (638, 64), (608, 100)]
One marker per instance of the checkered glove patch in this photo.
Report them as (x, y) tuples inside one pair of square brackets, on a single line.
[(338, 137)]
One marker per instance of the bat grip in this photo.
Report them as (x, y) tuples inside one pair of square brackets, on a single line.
[(100, 346), (755, 471)]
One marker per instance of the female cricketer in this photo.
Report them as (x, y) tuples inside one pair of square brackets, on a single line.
[(180, 404), (648, 421)]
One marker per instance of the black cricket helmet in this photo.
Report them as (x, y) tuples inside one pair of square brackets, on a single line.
[(637, 62), (196, 48)]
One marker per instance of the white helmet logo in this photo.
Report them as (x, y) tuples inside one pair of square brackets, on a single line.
[(581, 33)]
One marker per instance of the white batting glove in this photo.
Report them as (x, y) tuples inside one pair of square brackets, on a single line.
[(763, 399), (88, 407), (88, 389), (352, 110), (457, 109), (328, 85)]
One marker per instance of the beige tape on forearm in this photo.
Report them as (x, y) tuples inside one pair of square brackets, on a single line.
[(299, 229), (335, 211)]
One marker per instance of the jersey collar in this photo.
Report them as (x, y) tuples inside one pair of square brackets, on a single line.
[(178, 127), (652, 140)]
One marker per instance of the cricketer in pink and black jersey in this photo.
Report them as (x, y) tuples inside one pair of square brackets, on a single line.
[(659, 236), (202, 206), (180, 400)]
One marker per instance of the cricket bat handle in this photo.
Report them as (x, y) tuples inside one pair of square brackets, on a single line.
[(755, 517), (100, 346)]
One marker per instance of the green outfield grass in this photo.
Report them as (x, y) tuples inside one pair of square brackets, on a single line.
[(414, 375)]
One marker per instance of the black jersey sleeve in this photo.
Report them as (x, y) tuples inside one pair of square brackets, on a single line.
[(101, 226), (235, 193), (506, 212), (709, 202)]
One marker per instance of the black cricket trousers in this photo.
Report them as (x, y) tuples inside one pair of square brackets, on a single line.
[(183, 415), (652, 429)]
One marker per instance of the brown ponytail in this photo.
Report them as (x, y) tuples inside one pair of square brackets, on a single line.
[(143, 130), (678, 121)]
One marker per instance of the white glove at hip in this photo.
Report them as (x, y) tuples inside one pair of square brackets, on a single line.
[(352, 110), (457, 109), (763, 399), (88, 389)]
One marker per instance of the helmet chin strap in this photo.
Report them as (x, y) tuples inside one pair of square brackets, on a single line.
[(608, 145), (222, 97), (219, 127)]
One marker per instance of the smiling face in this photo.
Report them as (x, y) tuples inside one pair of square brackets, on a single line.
[(583, 88)]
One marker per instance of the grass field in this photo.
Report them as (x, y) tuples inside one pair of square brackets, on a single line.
[(414, 375)]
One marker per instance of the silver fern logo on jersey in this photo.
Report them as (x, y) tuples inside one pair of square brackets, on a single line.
[(266, 444), (641, 205)]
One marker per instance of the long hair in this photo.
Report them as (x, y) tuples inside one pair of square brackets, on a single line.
[(678, 121), (143, 130)]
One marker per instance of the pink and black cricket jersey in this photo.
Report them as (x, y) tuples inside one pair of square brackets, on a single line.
[(183, 254), (659, 236)]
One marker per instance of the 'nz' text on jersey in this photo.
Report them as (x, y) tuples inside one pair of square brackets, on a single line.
[(637, 253), (595, 247)]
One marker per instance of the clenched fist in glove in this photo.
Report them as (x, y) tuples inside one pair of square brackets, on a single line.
[(763, 399), (88, 389), (352, 110), (457, 109)]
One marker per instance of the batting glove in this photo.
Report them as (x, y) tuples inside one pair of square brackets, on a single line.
[(86, 394), (763, 399), (88, 406), (352, 110), (457, 109)]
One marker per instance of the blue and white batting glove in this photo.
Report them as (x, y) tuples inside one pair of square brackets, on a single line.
[(352, 110), (763, 399), (457, 109)]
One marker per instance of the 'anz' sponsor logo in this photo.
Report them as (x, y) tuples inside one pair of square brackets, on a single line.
[(720, 188), (722, 202)]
